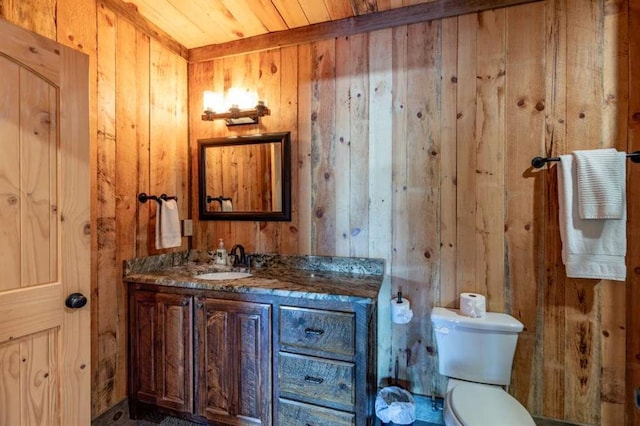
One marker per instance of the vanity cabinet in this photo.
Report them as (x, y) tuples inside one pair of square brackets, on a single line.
[(161, 349), (319, 367), (299, 350), (233, 350), (201, 358)]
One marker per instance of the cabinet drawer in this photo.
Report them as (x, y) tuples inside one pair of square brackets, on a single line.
[(317, 380), (327, 331), (292, 413)]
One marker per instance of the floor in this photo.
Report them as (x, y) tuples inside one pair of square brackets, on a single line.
[(119, 416)]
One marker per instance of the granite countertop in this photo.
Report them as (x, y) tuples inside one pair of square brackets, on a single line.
[(311, 277)]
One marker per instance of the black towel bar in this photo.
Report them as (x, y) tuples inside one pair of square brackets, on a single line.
[(219, 199), (538, 162), (143, 197)]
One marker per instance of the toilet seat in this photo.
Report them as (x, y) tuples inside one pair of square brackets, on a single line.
[(475, 404)]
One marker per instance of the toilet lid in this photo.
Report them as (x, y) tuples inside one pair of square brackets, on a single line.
[(481, 405)]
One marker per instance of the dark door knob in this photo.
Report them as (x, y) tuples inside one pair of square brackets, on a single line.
[(75, 301)]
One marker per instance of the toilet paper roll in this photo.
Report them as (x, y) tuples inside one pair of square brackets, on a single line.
[(473, 305), (401, 312)]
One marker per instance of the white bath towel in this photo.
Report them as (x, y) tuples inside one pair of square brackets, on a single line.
[(168, 225), (601, 183), (591, 248), (227, 205)]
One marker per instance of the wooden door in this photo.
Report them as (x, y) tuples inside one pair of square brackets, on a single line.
[(161, 356), (234, 367), (44, 232)]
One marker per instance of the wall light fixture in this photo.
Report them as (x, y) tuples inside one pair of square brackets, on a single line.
[(240, 107)]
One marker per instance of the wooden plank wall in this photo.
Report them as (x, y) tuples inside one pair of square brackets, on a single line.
[(414, 144), (138, 122), (415, 155), (141, 147)]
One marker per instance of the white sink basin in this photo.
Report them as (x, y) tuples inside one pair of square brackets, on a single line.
[(219, 276)]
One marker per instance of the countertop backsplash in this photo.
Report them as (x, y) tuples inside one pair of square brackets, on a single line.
[(317, 277), (352, 265)]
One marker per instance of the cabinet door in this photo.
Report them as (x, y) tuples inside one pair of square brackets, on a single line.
[(161, 357), (234, 367)]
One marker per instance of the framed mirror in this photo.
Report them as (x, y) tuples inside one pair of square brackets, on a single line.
[(245, 177)]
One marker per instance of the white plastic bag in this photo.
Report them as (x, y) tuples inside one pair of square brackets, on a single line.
[(394, 404)]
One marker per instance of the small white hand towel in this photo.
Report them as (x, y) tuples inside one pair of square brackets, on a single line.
[(227, 205), (601, 183), (168, 225), (591, 248)]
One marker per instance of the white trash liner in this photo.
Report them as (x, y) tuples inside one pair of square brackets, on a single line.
[(395, 405)]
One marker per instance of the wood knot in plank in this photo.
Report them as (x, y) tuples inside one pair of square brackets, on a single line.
[(540, 106), (636, 116), (581, 115), (12, 200), (293, 229), (319, 213)]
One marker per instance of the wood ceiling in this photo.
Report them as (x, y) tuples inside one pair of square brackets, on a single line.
[(196, 23), (202, 30)]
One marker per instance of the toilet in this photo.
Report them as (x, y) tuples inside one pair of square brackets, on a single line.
[(476, 355)]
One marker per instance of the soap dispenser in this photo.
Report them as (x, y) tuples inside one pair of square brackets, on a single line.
[(221, 253)]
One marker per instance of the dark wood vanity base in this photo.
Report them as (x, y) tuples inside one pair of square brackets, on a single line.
[(234, 356)]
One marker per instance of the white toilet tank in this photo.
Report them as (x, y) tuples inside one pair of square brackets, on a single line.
[(475, 349)]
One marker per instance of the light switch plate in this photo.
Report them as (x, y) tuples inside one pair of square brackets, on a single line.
[(187, 228)]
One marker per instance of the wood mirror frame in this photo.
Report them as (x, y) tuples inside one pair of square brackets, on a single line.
[(237, 184)]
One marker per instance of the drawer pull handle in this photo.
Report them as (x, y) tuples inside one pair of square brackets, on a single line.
[(311, 379), (313, 332)]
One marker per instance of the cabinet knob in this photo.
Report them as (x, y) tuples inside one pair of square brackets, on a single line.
[(313, 332)]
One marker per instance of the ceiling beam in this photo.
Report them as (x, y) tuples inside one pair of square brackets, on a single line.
[(345, 27), (130, 12)]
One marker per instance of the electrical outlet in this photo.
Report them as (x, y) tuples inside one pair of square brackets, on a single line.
[(187, 228)]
